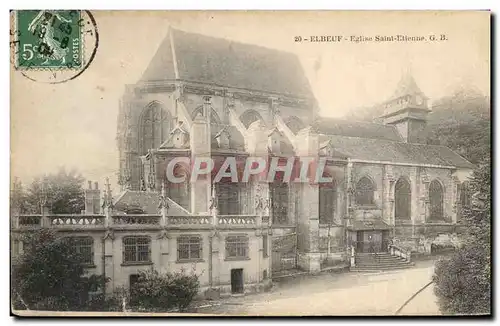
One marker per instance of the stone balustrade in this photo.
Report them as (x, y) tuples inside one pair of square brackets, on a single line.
[(61, 221), (187, 220), (27, 221), (237, 220), (136, 220), (76, 220)]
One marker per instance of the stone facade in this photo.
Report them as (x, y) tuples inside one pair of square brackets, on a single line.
[(165, 119)]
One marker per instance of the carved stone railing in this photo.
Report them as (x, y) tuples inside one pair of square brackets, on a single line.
[(189, 220), (76, 220), (143, 219), (400, 251), (237, 220), (29, 221)]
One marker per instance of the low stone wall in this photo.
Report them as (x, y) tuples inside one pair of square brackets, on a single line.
[(224, 290)]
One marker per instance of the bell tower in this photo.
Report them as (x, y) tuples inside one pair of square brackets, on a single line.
[(407, 110)]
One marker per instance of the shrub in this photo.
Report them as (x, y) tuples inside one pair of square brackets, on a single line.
[(50, 275), (162, 292), (463, 282)]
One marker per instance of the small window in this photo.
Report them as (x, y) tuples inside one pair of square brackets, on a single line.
[(83, 246), (189, 247), (237, 247), (136, 249), (264, 274), (264, 246)]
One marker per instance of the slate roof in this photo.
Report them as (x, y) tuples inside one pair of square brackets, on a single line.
[(147, 201), (224, 62), (236, 140), (331, 126), (396, 152)]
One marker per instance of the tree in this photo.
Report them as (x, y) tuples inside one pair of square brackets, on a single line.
[(463, 282), (157, 291), (18, 197), (62, 192), (50, 275)]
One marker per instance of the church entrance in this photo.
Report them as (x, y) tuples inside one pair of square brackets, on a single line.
[(369, 240)]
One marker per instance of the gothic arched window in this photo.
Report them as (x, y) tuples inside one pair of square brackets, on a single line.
[(214, 117), (436, 196), (365, 190), (279, 201), (295, 124), (250, 116), (327, 202), (402, 194), (228, 198), (155, 124)]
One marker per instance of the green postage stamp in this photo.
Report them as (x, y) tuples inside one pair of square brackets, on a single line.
[(49, 39)]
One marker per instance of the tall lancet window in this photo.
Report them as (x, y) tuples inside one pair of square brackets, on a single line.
[(155, 124), (436, 196), (403, 199)]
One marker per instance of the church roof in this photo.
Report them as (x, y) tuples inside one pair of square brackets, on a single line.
[(200, 58), (396, 151), (147, 202), (330, 126)]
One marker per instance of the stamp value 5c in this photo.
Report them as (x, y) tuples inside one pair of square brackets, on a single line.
[(49, 39)]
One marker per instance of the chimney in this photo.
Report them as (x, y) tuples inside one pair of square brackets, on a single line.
[(92, 199)]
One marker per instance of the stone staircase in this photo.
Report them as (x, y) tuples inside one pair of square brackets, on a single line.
[(380, 262)]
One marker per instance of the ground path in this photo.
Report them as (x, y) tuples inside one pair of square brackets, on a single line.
[(340, 294)]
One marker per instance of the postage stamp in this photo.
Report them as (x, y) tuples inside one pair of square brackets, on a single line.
[(52, 46), (49, 39)]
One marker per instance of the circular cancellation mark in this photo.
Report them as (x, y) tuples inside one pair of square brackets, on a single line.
[(52, 46)]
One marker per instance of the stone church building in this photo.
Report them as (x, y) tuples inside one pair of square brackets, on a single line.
[(207, 96)]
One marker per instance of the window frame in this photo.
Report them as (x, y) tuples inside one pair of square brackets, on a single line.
[(241, 242), (76, 243), (136, 252), (188, 238)]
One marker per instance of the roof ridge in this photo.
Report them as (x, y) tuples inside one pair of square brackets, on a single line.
[(232, 41)]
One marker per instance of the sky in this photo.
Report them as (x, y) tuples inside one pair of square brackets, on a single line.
[(73, 124)]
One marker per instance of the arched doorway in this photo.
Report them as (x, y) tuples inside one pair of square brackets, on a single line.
[(436, 196), (402, 200)]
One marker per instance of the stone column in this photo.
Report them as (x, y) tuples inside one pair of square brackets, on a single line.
[(108, 264), (200, 139), (454, 197), (308, 223), (216, 256), (424, 195)]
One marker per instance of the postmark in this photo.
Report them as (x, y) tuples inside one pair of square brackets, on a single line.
[(53, 46)]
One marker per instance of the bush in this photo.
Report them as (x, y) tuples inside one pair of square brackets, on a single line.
[(50, 275), (462, 283), (163, 292)]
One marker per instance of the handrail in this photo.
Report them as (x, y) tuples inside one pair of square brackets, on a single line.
[(400, 251)]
